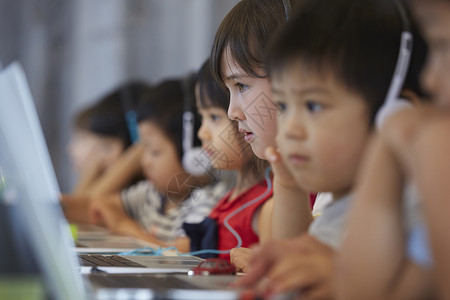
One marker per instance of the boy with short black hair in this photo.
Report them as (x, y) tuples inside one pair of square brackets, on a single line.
[(330, 69), (412, 146)]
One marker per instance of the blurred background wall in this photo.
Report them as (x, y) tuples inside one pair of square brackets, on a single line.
[(74, 51)]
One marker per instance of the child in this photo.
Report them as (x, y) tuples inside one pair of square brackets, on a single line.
[(237, 61), (412, 146), (330, 69), (433, 141), (153, 210), (227, 150), (101, 136)]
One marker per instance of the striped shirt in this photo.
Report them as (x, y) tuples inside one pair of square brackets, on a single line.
[(144, 204)]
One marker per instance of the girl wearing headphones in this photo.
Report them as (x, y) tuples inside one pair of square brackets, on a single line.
[(242, 216), (154, 209), (102, 138)]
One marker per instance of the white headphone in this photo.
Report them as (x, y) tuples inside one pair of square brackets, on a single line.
[(195, 161), (287, 8), (392, 103)]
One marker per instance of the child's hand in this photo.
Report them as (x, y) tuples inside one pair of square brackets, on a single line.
[(291, 213), (309, 274), (263, 259), (96, 213), (240, 258), (303, 264), (110, 213), (310, 271), (104, 214), (282, 176)]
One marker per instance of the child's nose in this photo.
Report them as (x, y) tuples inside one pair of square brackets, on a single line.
[(203, 134), (145, 161), (293, 127), (235, 112)]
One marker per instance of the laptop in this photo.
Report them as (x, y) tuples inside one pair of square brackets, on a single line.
[(98, 247), (29, 182), (93, 236)]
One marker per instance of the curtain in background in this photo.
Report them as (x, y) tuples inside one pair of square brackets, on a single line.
[(74, 51)]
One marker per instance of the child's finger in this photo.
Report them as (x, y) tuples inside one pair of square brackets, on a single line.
[(94, 217), (281, 173), (317, 293), (293, 272), (309, 244), (272, 155), (259, 265), (240, 257)]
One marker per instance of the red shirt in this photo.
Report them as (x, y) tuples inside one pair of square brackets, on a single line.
[(240, 222), (312, 200)]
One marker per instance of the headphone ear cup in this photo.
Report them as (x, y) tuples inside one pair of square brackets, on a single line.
[(196, 162)]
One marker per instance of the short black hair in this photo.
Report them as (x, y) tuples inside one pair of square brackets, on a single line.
[(357, 41)]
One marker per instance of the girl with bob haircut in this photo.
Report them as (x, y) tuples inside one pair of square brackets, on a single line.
[(245, 208), (237, 63)]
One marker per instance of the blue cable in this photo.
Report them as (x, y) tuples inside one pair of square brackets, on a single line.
[(132, 124), (147, 251)]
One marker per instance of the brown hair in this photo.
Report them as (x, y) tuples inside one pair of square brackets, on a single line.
[(246, 31)]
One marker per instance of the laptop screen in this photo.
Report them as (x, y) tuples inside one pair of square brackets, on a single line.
[(28, 181)]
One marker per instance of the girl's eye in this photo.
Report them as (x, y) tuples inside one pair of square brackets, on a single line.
[(314, 106), (281, 106), (214, 117), (241, 87), (150, 150)]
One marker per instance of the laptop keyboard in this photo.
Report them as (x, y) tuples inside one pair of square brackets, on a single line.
[(92, 260)]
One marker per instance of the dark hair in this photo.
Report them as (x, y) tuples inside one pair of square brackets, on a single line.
[(246, 30), (107, 116), (357, 41), (211, 94), (164, 105)]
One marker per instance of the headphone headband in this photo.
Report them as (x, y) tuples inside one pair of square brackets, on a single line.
[(403, 15), (194, 160), (392, 103), (287, 8), (188, 116), (130, 114)]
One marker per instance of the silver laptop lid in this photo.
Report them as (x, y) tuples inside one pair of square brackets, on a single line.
[(30, 182)]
